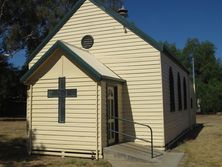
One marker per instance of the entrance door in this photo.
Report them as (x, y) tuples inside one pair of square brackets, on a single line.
[(111, 114)]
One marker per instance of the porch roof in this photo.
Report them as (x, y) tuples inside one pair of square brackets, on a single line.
[(86, 61)]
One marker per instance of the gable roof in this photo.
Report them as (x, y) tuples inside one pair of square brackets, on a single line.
[(160, 47), (84, 59)]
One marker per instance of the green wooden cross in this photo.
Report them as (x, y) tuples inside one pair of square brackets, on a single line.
[(62, 93)]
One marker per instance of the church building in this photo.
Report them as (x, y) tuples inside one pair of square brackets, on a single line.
[(97, 81)]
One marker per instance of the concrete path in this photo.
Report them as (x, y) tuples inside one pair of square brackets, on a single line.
[(169, 159), (134, 155)]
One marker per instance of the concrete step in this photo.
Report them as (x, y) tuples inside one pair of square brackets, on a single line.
[(131, 152)]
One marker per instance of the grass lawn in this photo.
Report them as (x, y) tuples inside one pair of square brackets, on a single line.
[(13, 151), (203, 147)]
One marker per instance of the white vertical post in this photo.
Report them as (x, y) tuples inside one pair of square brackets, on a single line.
[(97, 154), (30, 122)]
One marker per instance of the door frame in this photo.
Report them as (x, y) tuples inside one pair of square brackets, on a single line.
[(116, 122)]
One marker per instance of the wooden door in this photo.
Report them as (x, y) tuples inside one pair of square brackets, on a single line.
[(111, 113)]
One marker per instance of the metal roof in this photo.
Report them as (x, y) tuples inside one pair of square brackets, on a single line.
[(86, 61)]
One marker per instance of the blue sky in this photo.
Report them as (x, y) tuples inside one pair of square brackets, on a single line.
[(177, 20), (174, 21)]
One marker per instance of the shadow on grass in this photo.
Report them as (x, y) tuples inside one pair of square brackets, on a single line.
[(190, 135), (14, 152)]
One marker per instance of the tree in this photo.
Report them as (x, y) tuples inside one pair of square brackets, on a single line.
[(25, 23), (113, 4), (208, 70), (11, 89)]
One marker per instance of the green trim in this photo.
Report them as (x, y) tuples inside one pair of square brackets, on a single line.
[(167, 52), (116, 16), (56, 29), (38, 63), (73, 57), (112, 13), (128, 25), (113, 79), (160, 47), (70, 54)]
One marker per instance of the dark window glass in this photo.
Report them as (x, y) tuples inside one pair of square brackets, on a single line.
[(185, 93), (179, 92), (171, 88), (87, 41), (191, 103)]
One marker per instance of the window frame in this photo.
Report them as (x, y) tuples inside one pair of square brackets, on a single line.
[(184, 94), (171, 89), (179, 93)]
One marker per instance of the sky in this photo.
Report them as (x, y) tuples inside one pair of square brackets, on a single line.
[(172, 20)]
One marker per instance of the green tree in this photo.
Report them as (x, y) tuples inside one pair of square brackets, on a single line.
[(113, 4), (11, 89), (25, 23), (208, 70)]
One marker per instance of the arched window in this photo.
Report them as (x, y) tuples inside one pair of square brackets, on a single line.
[(179, 92), (191, 103), (185, 93), (171, 88)]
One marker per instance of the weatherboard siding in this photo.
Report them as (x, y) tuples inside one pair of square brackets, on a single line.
[(78, 133), (178, 121), (129, 56)]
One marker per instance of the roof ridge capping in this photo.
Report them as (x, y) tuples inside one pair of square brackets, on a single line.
[(66, 43), (160, 47), (74, 56), (128, 25), (168, 53), (56, 29)]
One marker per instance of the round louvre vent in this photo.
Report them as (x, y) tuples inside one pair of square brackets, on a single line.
[(87, 41)]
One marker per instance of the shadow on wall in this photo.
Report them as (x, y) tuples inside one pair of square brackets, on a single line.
[(191, 135), (128, 128), (41, 147)]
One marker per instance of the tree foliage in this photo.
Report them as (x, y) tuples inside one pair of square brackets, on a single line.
[(208, 71), (11, 89), (113, 4), (23, 25)]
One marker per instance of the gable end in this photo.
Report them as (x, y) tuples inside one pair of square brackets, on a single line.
[(56, 29), (93, 73), (71, 55), (110, 12), (116, 16)]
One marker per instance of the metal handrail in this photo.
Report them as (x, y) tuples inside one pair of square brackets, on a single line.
[(141, 124)]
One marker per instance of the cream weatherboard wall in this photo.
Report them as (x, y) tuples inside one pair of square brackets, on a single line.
[(129, 56), (178, 121), (83, 113)]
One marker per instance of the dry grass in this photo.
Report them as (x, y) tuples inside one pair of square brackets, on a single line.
[(203, 148), (13, 151)]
